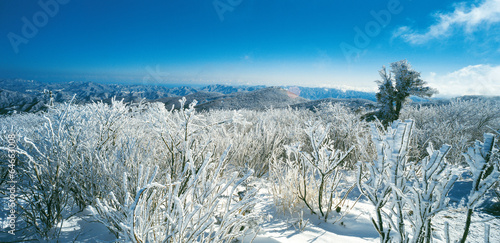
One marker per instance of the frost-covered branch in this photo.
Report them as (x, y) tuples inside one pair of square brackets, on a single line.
[(204, 212), (485, 174), (431, 180)]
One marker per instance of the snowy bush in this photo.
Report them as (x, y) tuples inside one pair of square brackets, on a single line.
[(101, 132), (497, 186), (484, 167), (257, 138), (203, 210), (458, 123), (431, 180), (175, 133), (44, 169), (348, 130), (312, 178), (384, 180), (404, 191), (192, 198)]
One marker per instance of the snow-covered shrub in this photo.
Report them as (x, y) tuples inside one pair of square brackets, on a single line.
[(431, 180), (257, 137), (202, 210), (43, 172), (255, 142), (118, 214), (102, 133), (458, 123), (348, 130), (76, 138), (285, 178), (40, 173), (191, 195), (408, 194), (384, 181), (497, 186), (18, 125), (313, 178), (484, 166), (171, 134)]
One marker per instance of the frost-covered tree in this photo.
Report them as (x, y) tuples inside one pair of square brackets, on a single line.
[(395, 89), (385, 96)]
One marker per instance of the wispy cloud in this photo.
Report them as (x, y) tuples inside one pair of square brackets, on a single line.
[(471, 80), (466, 18)]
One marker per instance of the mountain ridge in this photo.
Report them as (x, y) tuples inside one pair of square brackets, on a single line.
[(19, 95)]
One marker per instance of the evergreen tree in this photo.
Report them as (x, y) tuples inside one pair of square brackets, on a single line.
[(385, 97), (395, 89)]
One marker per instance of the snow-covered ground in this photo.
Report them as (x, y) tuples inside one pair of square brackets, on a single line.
[(277, 227), (357, 226)]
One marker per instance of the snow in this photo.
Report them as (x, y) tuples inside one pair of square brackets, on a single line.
[(83, 227), (354, 228)]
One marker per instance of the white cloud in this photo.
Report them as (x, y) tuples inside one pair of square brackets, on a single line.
[(471, 80), (345, 87), (466, 18)]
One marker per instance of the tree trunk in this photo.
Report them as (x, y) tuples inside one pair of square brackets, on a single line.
[(467, 225), (428, 231), (399, 105)]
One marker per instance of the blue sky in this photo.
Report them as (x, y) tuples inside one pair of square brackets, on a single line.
[(455, 45)]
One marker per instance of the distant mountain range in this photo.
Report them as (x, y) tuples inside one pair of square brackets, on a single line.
[(265, 98), (18, 95)]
